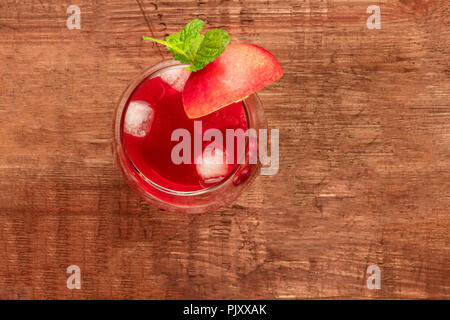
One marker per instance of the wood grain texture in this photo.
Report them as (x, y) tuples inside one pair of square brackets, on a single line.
[(364, 119)]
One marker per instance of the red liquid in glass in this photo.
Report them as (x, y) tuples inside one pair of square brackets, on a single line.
[(151, 154)]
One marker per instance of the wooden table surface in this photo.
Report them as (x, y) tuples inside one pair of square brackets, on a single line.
[(364, 179)]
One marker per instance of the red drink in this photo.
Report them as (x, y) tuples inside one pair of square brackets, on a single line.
[(151, 153), (150, 110)]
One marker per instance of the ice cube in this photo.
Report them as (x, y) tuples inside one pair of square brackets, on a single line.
[(138, 119), (176, 78), (213, 166)]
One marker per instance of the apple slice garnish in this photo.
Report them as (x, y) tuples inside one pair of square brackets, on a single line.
[(240, 71)]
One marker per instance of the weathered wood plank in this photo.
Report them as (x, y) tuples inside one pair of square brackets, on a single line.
[(364, 119)]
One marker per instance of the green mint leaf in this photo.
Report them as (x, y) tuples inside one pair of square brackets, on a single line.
[(212, 46), (172, 46), (181, 42), (176, 46), (191, 30), (191, 47), (195, 45)]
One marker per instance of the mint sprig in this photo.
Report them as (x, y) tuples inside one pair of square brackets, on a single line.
[(191, 47)]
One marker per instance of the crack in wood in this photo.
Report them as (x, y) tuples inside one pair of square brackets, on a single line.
[(149, 25)]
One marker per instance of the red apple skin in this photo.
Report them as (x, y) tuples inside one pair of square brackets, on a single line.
[(240, 71)]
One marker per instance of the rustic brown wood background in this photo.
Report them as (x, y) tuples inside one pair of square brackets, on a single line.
[(364, 119)]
